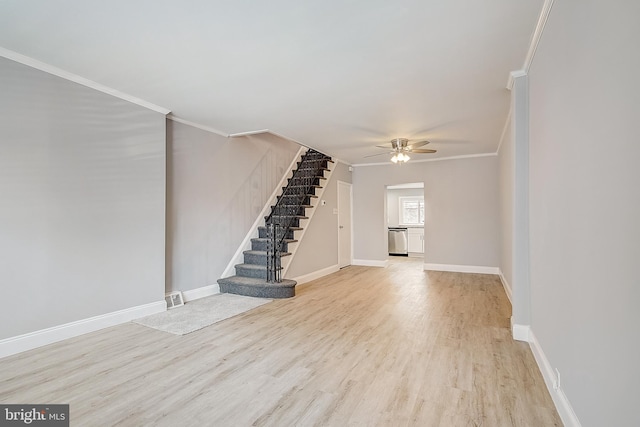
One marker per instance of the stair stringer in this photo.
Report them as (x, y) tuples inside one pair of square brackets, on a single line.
[(304, 224), (238, 256)]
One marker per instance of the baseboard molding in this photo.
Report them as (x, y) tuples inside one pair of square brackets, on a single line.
[(506, 286), (370, 263), (560, 400), (316, 274), (31, 340), (205, 291), (520, 332), (462, 268)]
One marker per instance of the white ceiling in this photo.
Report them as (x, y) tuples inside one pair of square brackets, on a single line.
[(340, 76)]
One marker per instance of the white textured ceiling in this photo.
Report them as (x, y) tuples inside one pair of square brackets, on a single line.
[(340, 76)]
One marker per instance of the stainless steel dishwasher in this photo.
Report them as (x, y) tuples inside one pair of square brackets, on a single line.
[(398, 241)]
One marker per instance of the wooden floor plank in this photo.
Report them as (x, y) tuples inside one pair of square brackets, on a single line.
[(363, 346)]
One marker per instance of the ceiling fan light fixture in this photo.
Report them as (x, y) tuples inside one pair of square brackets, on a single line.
[(400, 157)]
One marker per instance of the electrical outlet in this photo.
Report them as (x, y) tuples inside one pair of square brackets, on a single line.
[(556, 382)]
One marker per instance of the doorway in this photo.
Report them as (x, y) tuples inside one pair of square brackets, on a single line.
[(345, 195), (405, 213)]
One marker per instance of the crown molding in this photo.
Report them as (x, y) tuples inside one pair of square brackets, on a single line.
[(197, 125), (249, 133), (466, 156), (533, 46), (50, 69), (513, 75)]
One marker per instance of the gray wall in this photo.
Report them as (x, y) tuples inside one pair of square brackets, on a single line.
[(462, 209), (393, 203), (82, 179), (585, 205), (217, 186), (319, 247), (506, 161)]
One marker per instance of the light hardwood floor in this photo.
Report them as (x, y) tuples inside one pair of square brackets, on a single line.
[(364, 346)]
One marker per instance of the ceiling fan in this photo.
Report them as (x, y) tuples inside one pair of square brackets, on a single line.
[(400, 149)]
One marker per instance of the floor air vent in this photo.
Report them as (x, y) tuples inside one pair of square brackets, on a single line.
[(174, 299)]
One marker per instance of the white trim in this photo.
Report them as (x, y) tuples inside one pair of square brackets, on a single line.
[(466, 156), (205, 291), (462, 268), (506, 286), (50, 69), (537, 34), (563, 406), (31, 340), (197, 125), (535, 40), (253, 231), (316, 274), (370, 263), (248, 133), (520, 332), (350, 187), (513, 75)]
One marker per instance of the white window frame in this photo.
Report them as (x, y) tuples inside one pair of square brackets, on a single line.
[(401, 201)]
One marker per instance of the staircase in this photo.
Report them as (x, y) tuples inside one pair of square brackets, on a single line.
[(261, 273)]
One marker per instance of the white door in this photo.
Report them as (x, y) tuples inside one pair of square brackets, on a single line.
[(344, 224)]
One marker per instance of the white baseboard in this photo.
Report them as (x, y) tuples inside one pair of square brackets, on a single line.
[(462, 268), (370, 263), (560, 400), (316, 274), (520, 332), (205, 291), (506, 286), (31, 340)]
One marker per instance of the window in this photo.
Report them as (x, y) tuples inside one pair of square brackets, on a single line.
[(411, 210)]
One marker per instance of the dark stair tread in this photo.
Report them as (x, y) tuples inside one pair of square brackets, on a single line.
[(265, 239), (290, 228), (252, 252), (298, 195), (252, 281), (310, 169), (254, 266), (259, 288)]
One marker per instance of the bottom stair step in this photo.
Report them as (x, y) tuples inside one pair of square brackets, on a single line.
[(253, 287)]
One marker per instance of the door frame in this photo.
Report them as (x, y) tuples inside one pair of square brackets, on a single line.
[(345, 186)]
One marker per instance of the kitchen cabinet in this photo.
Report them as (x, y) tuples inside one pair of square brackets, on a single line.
[(416, 240)]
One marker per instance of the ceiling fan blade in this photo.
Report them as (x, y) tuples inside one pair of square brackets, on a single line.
[(380, 154), (422, 151), (418, 144), (387, 146)]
